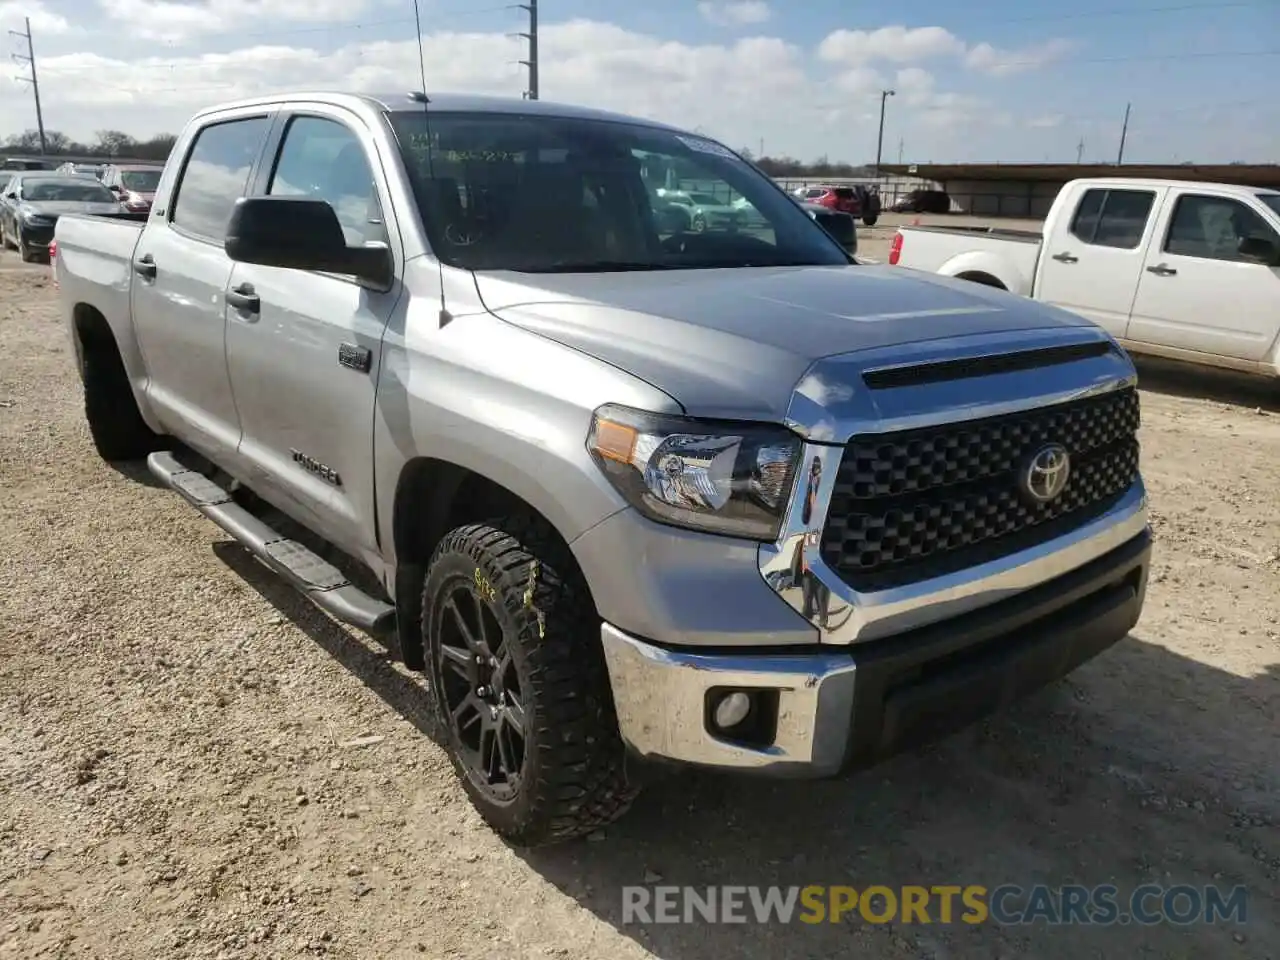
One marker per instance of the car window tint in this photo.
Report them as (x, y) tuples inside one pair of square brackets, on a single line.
[(215, 175), (1113, 218), (1211, 228), (1085, 222), (325, 160)]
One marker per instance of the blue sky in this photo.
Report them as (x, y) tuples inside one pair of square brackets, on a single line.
[(990, 79)]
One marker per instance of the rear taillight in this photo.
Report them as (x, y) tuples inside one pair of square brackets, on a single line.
[(53, 260), (895, 250)]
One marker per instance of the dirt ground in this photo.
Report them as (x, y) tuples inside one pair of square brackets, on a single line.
[(196, 763)]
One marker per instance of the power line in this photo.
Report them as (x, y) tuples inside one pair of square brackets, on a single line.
[(30, 58)]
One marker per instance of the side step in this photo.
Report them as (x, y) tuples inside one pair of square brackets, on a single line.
[(319, 581)]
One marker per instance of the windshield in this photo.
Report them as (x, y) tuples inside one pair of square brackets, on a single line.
[(54, 191), (1272, 200), (144, 181), (540, 193)]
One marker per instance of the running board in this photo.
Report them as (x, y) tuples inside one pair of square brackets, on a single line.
[(318, 580)]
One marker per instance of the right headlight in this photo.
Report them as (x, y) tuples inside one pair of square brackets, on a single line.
[(718, 476)]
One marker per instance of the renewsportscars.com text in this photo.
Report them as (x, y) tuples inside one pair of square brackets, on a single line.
[(1007, 904)]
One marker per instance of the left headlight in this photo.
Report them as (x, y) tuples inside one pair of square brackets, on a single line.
[(718, 476)]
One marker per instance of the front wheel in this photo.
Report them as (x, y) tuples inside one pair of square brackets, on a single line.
[(870, 219), (24, 251), (519, 683)]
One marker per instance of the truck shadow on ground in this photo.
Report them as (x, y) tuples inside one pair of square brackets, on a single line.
[(1195, 383), (1142, 767)]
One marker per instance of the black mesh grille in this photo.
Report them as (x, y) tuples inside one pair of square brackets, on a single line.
[(917, 504)]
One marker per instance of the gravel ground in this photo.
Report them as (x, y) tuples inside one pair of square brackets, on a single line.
[(196, 763)]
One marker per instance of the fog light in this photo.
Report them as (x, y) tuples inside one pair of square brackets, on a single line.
[(732, 709)]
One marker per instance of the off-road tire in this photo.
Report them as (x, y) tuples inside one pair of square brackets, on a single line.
[(116, 426), (573, 780)]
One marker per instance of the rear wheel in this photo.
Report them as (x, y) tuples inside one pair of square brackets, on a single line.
[(870, 219), (116, 426), (519, 682)]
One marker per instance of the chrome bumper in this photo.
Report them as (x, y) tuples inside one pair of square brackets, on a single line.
[(661, 699), (846, 708)]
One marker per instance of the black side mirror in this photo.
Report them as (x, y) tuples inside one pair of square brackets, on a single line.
[(1259, 249), (300, 233)]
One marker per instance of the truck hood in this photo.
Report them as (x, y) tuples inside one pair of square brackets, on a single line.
[(737, 342)]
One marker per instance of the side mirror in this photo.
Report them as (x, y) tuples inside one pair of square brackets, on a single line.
[(1259, 249), (300, 233)]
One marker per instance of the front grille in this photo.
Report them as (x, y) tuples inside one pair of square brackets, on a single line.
[(917, 504)]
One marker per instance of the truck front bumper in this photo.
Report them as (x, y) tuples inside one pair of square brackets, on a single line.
[(821, 711)]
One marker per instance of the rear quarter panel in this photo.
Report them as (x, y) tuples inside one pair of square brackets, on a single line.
[(94, 270), (953, 253)]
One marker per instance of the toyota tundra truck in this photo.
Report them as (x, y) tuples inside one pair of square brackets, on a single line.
[(629, 495)]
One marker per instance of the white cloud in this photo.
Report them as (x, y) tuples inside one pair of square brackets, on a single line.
[(802, 102), (1047, 121), (896, 44), (43, 20), (170, 21), (999, 63), (735, 13)]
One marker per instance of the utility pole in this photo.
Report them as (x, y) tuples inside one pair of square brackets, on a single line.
[(1080, 151), (1124, 130), (33, 80), (532, 36), (900, 144), (884, 95)]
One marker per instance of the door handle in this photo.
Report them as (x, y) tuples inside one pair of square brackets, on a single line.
[(1066, 258), (244, 299), (1160, 270), (145, 266)]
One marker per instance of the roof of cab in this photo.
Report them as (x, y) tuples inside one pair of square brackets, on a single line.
[(1137, 183), (452, 102)]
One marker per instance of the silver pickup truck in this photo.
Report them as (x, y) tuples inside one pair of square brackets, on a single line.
[(720, 498)]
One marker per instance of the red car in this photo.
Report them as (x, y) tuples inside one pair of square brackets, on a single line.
[(857, 201), (134, 183)]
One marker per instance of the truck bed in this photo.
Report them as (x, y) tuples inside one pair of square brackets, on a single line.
[(996, 256), (1002, 233), (94, 262)]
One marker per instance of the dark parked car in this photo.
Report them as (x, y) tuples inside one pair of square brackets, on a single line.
[(32, 205), (26, 163), (841, 226), (924, 201)]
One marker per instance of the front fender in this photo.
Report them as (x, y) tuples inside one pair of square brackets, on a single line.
[(504, 403)]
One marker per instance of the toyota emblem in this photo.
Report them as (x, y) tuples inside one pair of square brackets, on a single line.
[(1046, 473)]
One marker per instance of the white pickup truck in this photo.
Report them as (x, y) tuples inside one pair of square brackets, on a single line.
[(1178, 269)]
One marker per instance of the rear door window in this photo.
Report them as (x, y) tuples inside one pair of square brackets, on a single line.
[(1112, 218), (215, 176)]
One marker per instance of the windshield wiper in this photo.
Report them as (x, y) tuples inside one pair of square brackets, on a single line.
[(594, 266)]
